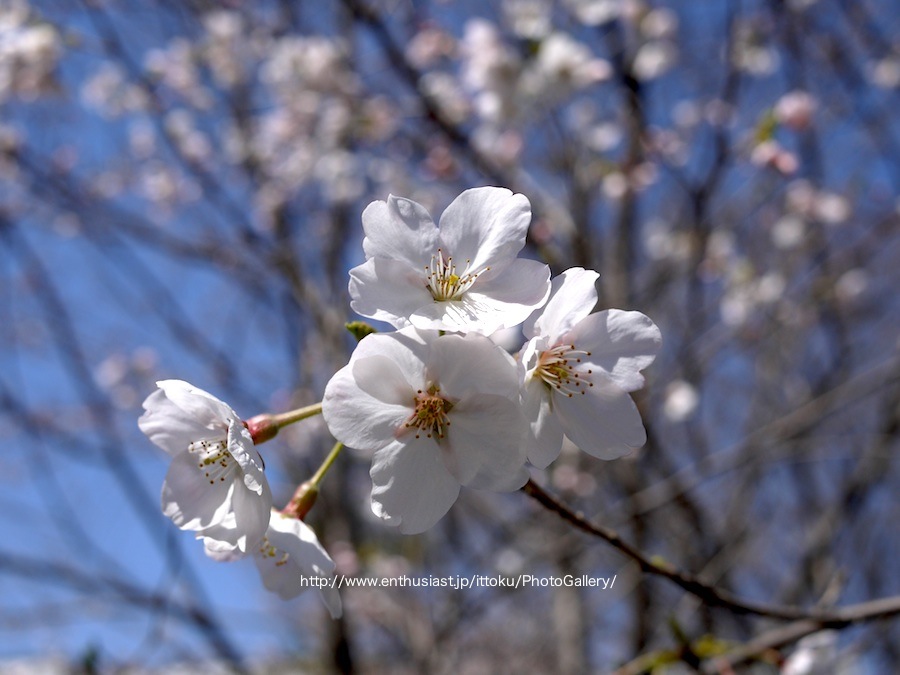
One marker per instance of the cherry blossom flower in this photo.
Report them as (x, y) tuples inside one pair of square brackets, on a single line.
[(216, 475), (437, 411), (461, 276), (289, 558), (576, 371)]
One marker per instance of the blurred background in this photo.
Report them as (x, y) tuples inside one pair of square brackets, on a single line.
[(181, 184)]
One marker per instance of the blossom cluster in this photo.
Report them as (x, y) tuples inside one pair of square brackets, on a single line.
[(437, 403)]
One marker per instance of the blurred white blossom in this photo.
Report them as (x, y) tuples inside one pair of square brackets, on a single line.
[(788, 231), (528, 18), (681, 400), (595, 12), (795, 110), (29, 52)]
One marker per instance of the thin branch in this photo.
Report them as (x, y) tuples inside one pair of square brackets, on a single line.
[(873, 610), (708, 594)]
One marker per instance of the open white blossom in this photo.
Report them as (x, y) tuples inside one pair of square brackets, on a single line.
[(437, 411), (816, 654), (461, 276), (289, 555), (576, 371), (216, 476)]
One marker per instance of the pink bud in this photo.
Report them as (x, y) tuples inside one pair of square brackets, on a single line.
[(302, 501), (262, 428)]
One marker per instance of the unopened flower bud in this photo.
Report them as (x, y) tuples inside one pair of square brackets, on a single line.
[(302, 501), (262, 428)]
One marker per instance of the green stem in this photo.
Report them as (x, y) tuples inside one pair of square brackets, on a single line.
[(307, 492), (283, 419), (333, 455)]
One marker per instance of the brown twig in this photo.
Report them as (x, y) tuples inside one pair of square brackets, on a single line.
[(707, 593)]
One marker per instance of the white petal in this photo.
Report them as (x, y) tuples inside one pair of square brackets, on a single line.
[(621, 343), (365, 405), (291, 555), (406, 347), (199, 405), (219, 540), (299, 539), (356, 418), (454, 316), (485, 441), (463, 365), (573, 295), (381, 378), (485, 225), (388, 290), (399, 229), (217, 547), (410, 485), (544, 438), (251, 516), (188, 497), (604, 422), (332, 600), (504, 299), (495, 480), (509, 297), (169, 427), (529, 355), (285, 580), (241, 447)]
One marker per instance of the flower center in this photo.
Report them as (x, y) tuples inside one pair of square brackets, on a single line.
[(556, 368), (443, 280), (269, 552), (430, 414), (213, 459)]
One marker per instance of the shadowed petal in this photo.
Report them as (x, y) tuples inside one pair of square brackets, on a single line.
[(399, 229), (573, 295), (410, 486), (251, 515), (485, 440), (169, 427), (356, 418), (471, 364), (544, 437), (190, 499), (604, 421), (621, 343), (387, 290)]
